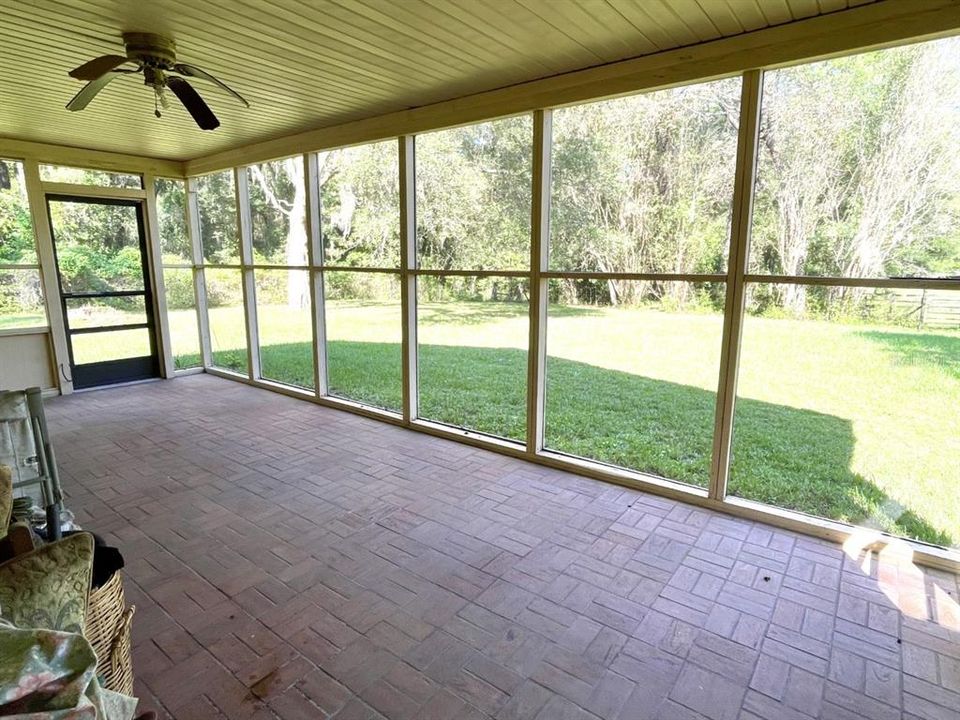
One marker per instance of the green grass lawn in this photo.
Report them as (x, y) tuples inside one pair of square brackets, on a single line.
[(852, 422), (23, 320)]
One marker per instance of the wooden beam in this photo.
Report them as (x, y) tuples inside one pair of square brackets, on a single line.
[(95, 159), (865, 27)]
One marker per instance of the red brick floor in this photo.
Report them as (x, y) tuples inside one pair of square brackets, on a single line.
[(293, 561)]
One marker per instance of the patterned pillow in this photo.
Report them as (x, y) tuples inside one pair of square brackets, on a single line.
[(48, 587)]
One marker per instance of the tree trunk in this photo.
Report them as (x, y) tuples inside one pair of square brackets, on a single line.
[(298, 283), (795, 299)]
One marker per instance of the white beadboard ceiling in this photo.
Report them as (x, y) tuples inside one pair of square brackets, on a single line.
[(308, 64)]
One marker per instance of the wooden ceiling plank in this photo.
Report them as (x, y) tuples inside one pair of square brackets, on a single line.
[(552, 46), (341, 39), (589, 24), (461, 27), (748, 13), (552, 51), (636, 13), (136, 99), (51, 98), (829, 6), (645, 31), (776, 11), (722, 16), (800, 9), (663, 12), (693, 15), (399, 19)]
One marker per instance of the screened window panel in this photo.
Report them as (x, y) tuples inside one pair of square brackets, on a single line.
[(364, 332), (635, 385), (473, 336), (853, 421), (473, 196), (285, 326)]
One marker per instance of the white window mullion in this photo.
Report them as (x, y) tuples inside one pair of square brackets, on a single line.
[(315, 260), (743, 192), (155, 261), (408, 279), (539, 263), (246, 261), (199, 278)]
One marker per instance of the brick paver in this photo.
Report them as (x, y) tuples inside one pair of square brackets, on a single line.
[(293, 561)]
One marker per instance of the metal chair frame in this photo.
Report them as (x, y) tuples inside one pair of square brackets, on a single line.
[(47, 476)]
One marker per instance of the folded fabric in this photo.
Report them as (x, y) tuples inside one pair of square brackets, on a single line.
[(51, 675)]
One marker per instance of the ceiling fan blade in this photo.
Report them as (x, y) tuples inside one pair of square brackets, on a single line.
[(194, 104), (193, 71), (89, 91), (97, 67)]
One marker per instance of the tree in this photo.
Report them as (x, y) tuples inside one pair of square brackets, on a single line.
[(281, 183), (858, 171)]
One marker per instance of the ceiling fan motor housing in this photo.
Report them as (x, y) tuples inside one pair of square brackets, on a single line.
[(151, 50)]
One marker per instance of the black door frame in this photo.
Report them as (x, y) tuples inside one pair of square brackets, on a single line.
[(110, 372)]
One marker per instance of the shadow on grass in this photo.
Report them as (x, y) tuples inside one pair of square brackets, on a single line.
[(787, 457), (940, 352)]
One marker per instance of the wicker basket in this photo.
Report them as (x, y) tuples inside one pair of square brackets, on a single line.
[(108, 630)]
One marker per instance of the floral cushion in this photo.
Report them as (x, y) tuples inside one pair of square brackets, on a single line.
[(50, 675), (48, 587)]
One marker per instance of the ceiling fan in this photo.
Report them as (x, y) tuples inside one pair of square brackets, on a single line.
[(156, 57)]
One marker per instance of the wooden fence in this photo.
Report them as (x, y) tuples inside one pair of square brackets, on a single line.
[(921, 308)]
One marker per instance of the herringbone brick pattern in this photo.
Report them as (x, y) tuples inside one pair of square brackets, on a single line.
[(293, 561)]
